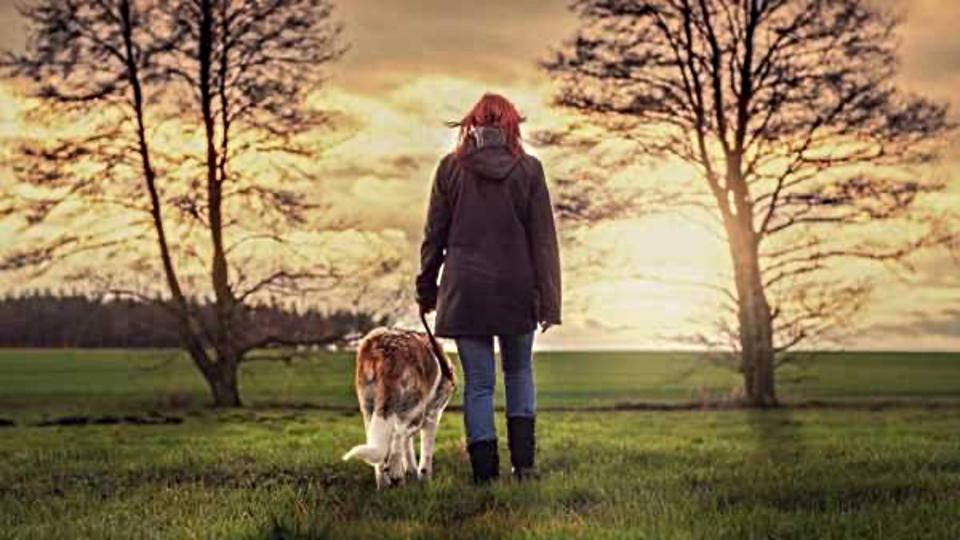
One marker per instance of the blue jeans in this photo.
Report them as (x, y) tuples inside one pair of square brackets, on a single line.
[(479, 372)]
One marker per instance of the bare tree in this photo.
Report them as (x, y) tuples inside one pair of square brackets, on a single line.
[(802, 142), (187, 122)]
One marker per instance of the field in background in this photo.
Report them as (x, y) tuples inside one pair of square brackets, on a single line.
[(39, 382), (271, 471)]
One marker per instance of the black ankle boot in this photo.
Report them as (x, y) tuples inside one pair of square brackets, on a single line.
[(485, 461), (522, 441)]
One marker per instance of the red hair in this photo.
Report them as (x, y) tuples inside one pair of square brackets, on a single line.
[(492, 110)]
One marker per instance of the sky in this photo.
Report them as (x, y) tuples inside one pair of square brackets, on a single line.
[(414, 64)]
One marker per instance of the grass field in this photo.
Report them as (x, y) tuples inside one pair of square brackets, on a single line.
[(37, 383), (273, 470)]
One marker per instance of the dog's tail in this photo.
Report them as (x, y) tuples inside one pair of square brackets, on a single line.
[(379, 434)]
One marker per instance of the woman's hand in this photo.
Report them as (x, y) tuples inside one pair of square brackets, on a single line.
[(544, 325), (424, 309)]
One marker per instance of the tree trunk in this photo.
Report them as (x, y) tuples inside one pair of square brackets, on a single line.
[(222, 380), (221, 377), (756, 324)]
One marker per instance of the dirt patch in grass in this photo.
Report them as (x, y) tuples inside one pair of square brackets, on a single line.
[(868, 405), (151, 419)]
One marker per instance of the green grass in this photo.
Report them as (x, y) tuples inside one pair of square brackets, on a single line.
[(730, 474), (275, 472), (35, 383)]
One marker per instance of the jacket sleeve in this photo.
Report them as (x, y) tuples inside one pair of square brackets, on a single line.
[(542, 236), (432, 250)]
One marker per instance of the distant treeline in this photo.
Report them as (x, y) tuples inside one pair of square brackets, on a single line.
[(59, 319)]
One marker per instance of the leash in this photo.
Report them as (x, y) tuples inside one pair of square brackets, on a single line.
[(437, 351)]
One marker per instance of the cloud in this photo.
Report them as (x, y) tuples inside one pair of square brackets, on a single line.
[(945, 323), (495, 41)]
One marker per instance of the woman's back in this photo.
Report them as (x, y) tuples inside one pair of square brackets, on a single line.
[(490, 216), (489, 195)]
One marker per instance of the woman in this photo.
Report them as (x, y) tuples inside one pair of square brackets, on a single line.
[(490, 225)]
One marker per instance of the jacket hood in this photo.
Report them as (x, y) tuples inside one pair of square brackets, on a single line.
[(488, 154)]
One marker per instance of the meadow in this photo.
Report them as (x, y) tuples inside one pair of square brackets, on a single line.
[(868, 449)]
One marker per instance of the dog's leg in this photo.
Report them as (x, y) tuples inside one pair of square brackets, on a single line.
[(383, 480), (428, 436), (411, 455), (377, 469), (395, 467)]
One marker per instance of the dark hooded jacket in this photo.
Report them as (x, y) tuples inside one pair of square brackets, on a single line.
[(490, 225)]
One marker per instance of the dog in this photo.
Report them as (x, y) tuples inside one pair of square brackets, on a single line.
[(403, 381)]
